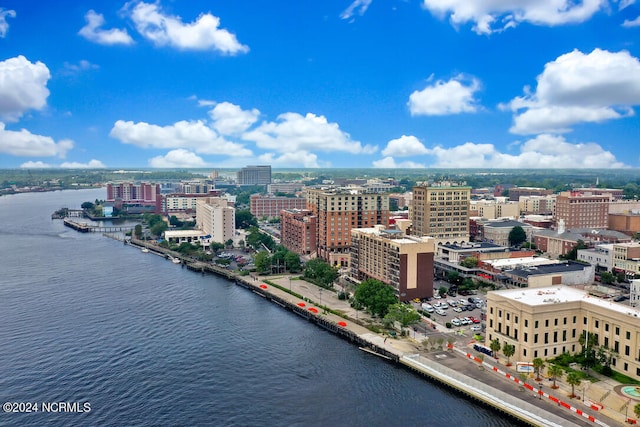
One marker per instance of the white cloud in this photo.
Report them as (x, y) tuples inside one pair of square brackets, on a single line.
[(404, 146), (544, 152), (35, 165), (631, 23), (94, 33), (292, 159), (202, 34), (358, 6), (579, 88), (82, 65), (4, 25), (294, 132), (26, 144), (190, 135), (390, 163), (23, 86), (497, 15), (230, 119), (92, 164), (451, 97), (179, 158)]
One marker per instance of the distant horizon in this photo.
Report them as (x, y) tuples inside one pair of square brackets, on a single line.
[(343, 84)]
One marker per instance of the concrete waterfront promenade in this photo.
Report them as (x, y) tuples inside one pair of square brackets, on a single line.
[(490, 381)]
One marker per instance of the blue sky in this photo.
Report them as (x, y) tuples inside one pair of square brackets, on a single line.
[(364, 83)]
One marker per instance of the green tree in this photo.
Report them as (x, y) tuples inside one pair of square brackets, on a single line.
[(573, 379), (245, 219), (555, 372), (508, 350), (607, 278), (454, 278), (588, 355), (538, 364), (636, 410), (404, 314), (320, 272), (137, 231), (292, 261), (216, 246), (495, 347), (375, 296), (573, 253), (262, 261), (469, 262), (517, 236), (158, 228)]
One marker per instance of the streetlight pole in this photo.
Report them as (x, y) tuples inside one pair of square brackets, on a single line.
[(289, 283)]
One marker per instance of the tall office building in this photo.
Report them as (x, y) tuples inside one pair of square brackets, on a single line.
[(143, 195), (254, 175), (338, 211), (441, 211), (582, 209), (404, 262)]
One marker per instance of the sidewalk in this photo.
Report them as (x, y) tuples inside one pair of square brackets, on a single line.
[(596, 398), (610, 408)]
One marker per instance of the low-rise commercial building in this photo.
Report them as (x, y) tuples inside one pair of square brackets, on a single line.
[(546, 322)]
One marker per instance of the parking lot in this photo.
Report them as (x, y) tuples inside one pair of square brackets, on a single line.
[(463, 314)]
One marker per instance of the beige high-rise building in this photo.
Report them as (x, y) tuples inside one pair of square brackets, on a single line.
[(404, 262), (441, 211), (216, 217), (339, 210), (545, 322)]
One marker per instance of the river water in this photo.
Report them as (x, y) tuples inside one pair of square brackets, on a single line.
[(128, 338)]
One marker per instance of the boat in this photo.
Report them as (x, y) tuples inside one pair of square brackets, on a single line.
[(145, 250), (176, 260)]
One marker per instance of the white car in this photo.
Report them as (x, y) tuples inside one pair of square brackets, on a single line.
[(444, 305), (452, 303), (441, 312), (457, 309), (456, 322), (476, 328), (462, 302)]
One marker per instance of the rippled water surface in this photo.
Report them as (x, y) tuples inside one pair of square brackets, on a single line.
[(86, 319)]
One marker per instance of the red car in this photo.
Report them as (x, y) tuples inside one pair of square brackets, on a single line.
[(474, 320)]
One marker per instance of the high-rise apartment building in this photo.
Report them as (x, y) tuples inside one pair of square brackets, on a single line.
[(582, 209), (216, 217), (298, 231), (339, 210), (271, 206), (441, 211), (254, 175), (404, 262), (142, 194)]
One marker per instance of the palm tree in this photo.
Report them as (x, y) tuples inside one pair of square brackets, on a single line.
[(555, 371), (573, 379), (508, 350), (495, 347), (538, 364)]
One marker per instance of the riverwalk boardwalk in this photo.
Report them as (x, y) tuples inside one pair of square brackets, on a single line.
[(453, 363)]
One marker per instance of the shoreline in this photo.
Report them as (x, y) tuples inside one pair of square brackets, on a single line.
[(400, 352)]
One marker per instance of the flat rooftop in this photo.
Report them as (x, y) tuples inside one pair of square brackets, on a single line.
[(563, 294), (530, 261)]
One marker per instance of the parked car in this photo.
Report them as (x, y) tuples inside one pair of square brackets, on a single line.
[(441, 312), (476, 328), (456, 322), (452, 303), (444, 305), (457, 309)]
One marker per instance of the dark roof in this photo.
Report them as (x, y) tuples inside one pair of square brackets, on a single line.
[(506, 223), (548, 269)]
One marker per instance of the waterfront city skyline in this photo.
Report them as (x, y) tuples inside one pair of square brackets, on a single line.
[(354, 83)]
